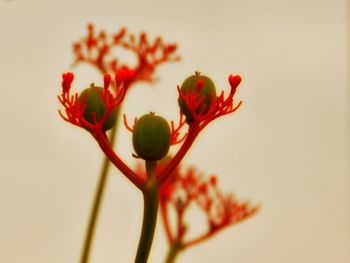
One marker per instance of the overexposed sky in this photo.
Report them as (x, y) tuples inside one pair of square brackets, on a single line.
[(287, 148)]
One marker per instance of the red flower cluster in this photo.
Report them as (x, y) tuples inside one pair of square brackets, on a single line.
[(95, 49), (74, 110), (177, 189), (219, 106), (183, 190)]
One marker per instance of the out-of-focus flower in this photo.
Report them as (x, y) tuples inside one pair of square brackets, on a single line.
[(96, 49), (189, 188)]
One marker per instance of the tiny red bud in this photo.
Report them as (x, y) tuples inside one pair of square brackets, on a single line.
[(234, 80), (67, 79)]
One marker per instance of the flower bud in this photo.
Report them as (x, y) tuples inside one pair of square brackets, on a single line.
[(202, 85), (151, 137), (91, 97)]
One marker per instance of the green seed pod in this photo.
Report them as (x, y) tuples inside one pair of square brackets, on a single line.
[(94, 104), (207, 91), (151, 137)]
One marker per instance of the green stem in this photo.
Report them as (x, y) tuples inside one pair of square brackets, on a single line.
[(173, 252), (101, 186), (150, 197)]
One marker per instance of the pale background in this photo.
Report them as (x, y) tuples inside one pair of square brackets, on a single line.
[(287, 148)]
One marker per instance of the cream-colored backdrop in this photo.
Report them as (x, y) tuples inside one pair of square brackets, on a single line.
[(287, 148)]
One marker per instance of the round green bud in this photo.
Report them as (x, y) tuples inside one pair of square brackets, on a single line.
[(207, 91), (151, 137), (95, 105)]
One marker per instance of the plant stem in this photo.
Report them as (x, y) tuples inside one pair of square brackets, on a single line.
[(174, 250), (101, 186), (150, 197)]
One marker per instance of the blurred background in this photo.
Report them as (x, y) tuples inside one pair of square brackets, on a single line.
[(287, 148)]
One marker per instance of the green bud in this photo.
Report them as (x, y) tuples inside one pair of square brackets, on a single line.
[(94, 104), (207, 91), (151, 137)]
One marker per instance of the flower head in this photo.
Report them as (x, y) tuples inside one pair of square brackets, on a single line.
[(185, 189), (193, 99), (93, 108), (202, 110), (96, 49)]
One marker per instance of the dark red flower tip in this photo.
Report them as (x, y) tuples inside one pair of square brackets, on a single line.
[(234, 81), (67, 79)]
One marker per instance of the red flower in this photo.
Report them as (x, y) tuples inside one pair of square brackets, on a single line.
[(95, 49), (185, 189), (219, 106), (74, 108)]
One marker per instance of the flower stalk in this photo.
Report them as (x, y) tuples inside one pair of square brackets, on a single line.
[(99, 194), (151, 202)]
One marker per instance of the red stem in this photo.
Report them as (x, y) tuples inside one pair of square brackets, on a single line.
[(199, 239), (192, 134), (114, 158)]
